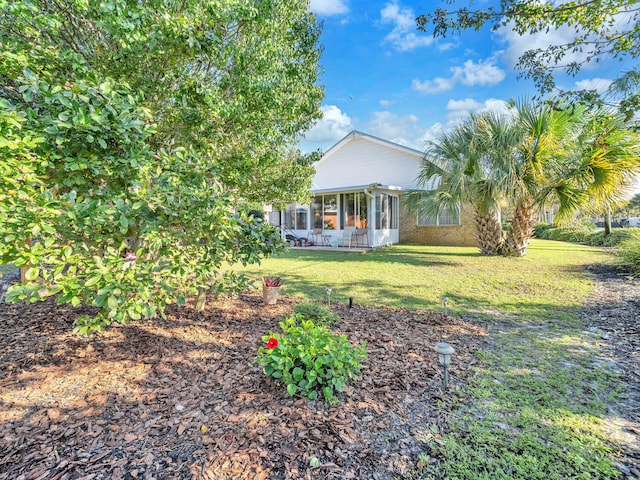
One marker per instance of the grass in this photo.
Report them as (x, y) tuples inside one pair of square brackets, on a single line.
[(535, 406), (548, 282)]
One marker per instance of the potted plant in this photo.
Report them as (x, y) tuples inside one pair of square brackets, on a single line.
[(270, 289)]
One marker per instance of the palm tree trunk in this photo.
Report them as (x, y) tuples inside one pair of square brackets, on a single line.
[(521, 230), (489, 233), (607, 222)]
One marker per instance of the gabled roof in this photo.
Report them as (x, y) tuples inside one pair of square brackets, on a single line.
[(355, 134)]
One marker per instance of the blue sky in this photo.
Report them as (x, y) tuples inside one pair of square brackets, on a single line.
[(383, 77)]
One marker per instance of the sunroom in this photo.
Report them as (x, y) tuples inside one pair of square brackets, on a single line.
[(364, 216)]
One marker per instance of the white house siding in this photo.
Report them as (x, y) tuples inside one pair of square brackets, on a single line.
[(362, 161)]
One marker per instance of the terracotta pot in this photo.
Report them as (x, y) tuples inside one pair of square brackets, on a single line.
[(270, 295)]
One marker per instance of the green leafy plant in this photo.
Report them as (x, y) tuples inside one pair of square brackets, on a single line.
[(317, 313), (120, 188), (309, 359), (271, 281)]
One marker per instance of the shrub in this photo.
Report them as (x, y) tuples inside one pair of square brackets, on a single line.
[(629, 255), (541, 229), (317, 313), (309, 359), (584, 234)]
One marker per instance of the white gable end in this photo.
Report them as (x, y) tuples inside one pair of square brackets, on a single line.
[(362, 160)]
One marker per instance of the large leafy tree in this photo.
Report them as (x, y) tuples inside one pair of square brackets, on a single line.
[(596, 29), (130, 132)]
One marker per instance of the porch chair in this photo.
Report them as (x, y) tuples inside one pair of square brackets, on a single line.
[(315, 236), (345, 240)]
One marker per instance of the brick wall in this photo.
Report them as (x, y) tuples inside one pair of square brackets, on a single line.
[(462, 235)]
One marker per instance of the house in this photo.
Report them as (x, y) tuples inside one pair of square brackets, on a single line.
[(358, 189)]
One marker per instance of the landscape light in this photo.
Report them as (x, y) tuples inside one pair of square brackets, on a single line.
[(445, 351), (329, 295), (445, 299)]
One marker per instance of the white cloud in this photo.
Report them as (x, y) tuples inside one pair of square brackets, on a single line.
[(436, 85), (333, 125), (469, 74), (482, 73), (459, 110), (403, 37), (601, 85), (328, 7), (394, 128), (386, 103)]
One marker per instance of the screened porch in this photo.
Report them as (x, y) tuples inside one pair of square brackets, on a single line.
[(363, 217)]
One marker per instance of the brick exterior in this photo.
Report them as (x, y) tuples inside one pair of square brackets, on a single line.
[(463, 235)]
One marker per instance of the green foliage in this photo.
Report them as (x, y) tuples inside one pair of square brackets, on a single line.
[(310, 360), (601, 28), (539, 229), (319, 314), (135, 129), (584, 234), (629, 255)]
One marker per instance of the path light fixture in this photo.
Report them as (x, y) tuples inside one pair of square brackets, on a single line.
[(329, 295), (445, 299), (445, 351)]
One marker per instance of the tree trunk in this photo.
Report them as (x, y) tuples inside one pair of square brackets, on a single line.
[(521, 230), (607, 222), (489, 233), (201, 299)]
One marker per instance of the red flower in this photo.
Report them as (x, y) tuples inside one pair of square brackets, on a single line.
[(272, 343)]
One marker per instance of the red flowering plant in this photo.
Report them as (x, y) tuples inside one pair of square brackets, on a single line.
[(310, 359), (271, 281)]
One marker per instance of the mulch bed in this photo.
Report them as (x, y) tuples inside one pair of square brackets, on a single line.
[(182, 397)]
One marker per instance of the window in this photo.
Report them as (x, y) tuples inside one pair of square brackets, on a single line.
[(386, 211), (447, 218)]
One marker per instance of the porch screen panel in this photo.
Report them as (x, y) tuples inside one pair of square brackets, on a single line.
[(354, 209), (362, 210), (386, 211), (394, 212), (330, 207), (382, 211), (289, 216), (316, 212), (301, 218)]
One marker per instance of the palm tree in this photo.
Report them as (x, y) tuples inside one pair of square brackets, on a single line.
[(457, 168), (533, 155), (599, 166)]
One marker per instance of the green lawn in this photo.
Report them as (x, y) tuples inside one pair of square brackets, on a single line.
[(548, 283), (534, 408)]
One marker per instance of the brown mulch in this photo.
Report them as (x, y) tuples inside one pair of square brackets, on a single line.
[(612, 318), (182, 397)]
